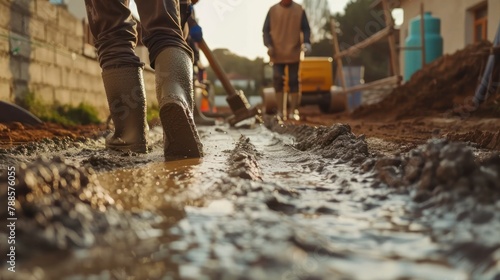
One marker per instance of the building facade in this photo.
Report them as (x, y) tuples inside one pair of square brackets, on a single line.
[(463, 22)]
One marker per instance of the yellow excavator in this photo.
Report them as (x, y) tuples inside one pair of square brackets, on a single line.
[(316, 76)]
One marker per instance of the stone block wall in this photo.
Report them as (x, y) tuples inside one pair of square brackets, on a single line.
[(42, 51)]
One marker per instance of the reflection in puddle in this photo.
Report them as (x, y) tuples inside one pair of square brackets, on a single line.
[(309, 218)]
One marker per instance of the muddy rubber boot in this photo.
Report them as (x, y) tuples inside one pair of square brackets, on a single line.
[(294, 106), (127, 104), (281, 103), (174, 90)]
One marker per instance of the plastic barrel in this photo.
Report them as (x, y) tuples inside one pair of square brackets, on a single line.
[(354, 75), (433, 43)]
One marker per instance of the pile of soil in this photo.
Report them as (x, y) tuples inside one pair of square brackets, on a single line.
[(438, 89)]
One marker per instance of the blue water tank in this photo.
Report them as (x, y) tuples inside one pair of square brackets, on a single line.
[(354, 75), (433, 43)]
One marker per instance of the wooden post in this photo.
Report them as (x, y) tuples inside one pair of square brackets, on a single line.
[(392, 41), (422, 35), (340, 67), (353, 50)]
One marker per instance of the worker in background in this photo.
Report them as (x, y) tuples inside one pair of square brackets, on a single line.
[(286, 34), (115, 36)]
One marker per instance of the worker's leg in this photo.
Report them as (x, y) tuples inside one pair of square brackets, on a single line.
[(161, 26), (295, 92), (115, 36), (172, 59), (278, 82)]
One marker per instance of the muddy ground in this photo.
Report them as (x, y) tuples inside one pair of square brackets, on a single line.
[(268, 201)]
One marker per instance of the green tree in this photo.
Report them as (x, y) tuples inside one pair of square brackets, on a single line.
[(318, 14), (359, 21)]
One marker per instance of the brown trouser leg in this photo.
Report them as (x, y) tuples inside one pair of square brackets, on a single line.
[(115, 31)]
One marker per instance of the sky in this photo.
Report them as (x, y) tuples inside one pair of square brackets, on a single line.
[(237, 24)]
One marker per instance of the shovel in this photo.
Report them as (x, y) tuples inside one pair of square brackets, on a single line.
[(235, 98)]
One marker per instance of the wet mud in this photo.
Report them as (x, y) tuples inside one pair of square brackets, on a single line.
[(272, 201)]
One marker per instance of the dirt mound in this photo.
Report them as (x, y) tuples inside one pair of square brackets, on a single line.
[(484, 139), (438, 88)]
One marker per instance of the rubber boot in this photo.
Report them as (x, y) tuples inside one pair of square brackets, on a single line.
[(127, 103), (281, 103), (294, 106), (174, 90)]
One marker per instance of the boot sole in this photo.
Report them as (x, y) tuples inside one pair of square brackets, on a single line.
[(182, 140)]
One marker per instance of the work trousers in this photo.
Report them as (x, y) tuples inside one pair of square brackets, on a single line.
[(293, 77), (115, 30)]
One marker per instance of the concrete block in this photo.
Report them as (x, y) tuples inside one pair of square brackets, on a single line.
[(4, 45), (54, 36), (5, 68), (80, 65), (35, 73), (85, 82), (51, 75), (5, 90), (74, 43), (45, 10), (66, 22), (5, 15), (79, 28), (62, 96), (64, 60), (93, 67), (37, 29), (72, 80), (42, 54), (65, 78)]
